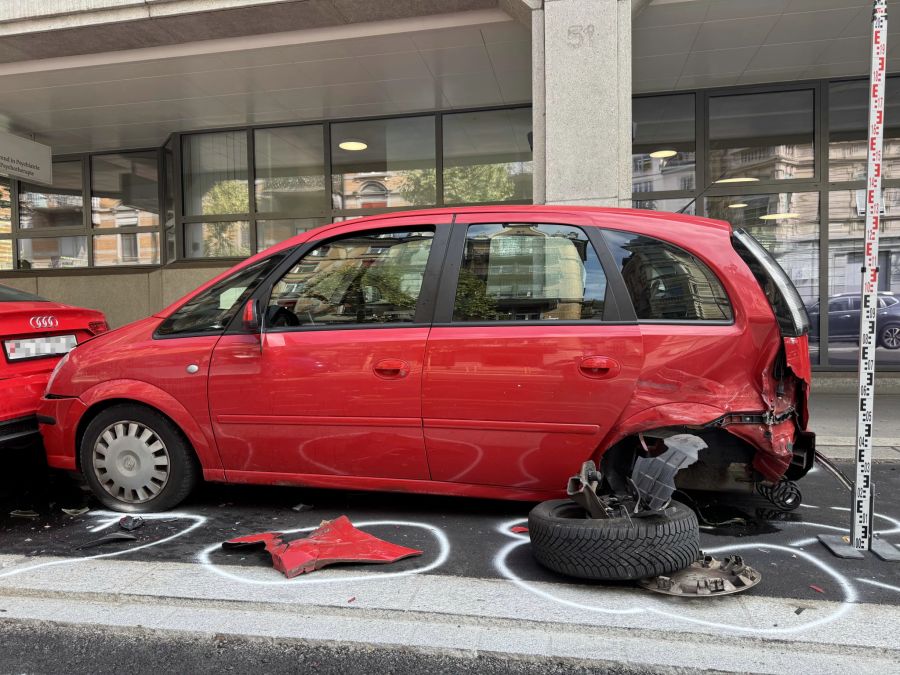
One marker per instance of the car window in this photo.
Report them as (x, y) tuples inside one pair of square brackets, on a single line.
[(363, 278), (212, 310), (528, 272), (665, 282), (8, 294), (888, 300), (839, 305)]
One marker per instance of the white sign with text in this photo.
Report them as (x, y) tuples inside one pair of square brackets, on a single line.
[(21, 158)]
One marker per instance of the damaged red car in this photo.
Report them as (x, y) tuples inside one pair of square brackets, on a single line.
[(35, 333), (493, 352)]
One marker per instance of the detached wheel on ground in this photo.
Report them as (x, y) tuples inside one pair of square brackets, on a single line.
[(135, 460), (565, 540)]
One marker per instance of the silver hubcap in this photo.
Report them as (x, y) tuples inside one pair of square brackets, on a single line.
[(891, 337), (131, 462)]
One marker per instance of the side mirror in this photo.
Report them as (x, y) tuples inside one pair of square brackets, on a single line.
[(251, 317)]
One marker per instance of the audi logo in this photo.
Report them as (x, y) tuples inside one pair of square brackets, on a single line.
[(43, 322)]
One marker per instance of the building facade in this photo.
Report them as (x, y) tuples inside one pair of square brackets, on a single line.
[(188, 135)]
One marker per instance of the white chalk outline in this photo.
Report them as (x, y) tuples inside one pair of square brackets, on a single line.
[(322, 577)]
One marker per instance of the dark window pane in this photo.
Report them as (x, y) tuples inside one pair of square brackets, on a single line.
[(212, 310), (366, 278), (763, 137), (383, 163), (848, 118), (52, 253), (125, 190), (136, 248), (58, 205), (666, 282), (271, 232), (214, 168), (525, 272), (169, 184), (217, 240), (487, 156), (171, 252), (662, 152), (290, 170)]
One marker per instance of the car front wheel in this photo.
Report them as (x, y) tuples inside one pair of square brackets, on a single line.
[(890, 337), (135, 460)]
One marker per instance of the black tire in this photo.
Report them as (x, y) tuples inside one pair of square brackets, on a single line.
[(889, 336), (183, 468), (564, 540)]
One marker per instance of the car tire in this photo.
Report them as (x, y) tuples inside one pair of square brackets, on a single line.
[(565, 540), (135, 460), (889, 336)]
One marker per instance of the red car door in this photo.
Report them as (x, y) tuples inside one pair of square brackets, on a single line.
[(529, 363), (332, 386)]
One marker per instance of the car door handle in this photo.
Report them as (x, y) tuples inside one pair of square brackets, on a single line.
[(391, 369), (599, 367)]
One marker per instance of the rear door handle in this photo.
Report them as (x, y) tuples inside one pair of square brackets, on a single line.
[(599, 367), (391, 369)]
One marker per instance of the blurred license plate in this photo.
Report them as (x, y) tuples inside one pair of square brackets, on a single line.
[(36, 348)]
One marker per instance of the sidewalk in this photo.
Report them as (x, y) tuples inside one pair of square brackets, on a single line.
[(833, 419)]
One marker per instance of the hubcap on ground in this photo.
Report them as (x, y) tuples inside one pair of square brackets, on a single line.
[(131, 462), (891, 337)]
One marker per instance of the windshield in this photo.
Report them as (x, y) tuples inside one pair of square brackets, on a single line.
[(780, 292), (212, 310), (8, 294)]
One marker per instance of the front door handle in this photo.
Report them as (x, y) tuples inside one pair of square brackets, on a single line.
[(391, 369), (599, 367)]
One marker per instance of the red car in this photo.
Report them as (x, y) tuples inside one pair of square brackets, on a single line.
[(490, 352), (35, 333)]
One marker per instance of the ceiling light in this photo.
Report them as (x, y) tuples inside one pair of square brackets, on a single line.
[(663, 154), (740, 179), (779, 216), (737, 206), (353, 145)]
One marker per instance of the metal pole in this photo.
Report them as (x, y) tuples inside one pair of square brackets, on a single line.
[(861, 533)]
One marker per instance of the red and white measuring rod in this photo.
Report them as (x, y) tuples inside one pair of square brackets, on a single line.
[(861, 532)]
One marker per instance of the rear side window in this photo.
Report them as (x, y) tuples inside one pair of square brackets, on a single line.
[(212, 310), (8, 294), (528, 272), (665, 282)]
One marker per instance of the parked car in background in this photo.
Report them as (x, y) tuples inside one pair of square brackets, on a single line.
[(844, 316), (35, 334)]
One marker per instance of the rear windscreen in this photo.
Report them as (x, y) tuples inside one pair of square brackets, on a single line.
[(8, 294), (783, 297)]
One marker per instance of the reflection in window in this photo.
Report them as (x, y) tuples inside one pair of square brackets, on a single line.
[(290, 170), (670, 205), (662, 152), (848, 120), (135, 248), (217, 240), (52, 253), (487, 156), (169, 183), (666, 282), (526, 272), (58, 205), (846, 232), (366, 278), (271, 232), (6, 245), (215, 173), (765, 136), (125, 190), (383, 163)]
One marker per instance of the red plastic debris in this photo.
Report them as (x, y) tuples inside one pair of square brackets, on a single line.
[(335, 541), (519, 529), (816, 588)]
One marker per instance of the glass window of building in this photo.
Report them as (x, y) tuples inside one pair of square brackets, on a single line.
[(487, 156), (6, 244), (215, 175), (131, 248), (848, 121), (380, 164), (52, 252), (271, 232), (290, 170), (125, 190), (689, 204), (217, 240), (846, 235), (761, 137), (58, 205), (663, 148), (787, 224)]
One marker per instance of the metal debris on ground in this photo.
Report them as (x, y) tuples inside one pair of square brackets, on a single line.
[(108, 539), (76, 512), (24, 513), (131, 523), (705, 578), (519, 529), (817, 589), (335, 541), (300, 508)]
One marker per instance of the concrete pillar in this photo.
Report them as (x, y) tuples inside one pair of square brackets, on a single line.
[(581, 88)]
